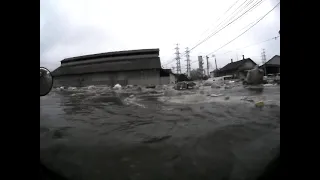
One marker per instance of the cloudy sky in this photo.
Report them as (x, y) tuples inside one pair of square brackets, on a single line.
[(78, 27)]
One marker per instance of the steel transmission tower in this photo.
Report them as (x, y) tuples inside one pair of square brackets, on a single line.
[(178, 60), (188, 62)]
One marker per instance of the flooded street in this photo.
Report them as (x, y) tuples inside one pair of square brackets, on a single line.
[(105, 134)]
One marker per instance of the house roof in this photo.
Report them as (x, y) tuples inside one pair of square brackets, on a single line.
[(235, 65), (275, 60), (111, 55), (216, 70), (165, 72), (109, 66)]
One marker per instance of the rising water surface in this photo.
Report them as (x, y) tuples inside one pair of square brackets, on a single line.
[(107, 135)]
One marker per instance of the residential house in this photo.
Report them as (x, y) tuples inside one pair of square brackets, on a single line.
[(237, 69), (272, 66)]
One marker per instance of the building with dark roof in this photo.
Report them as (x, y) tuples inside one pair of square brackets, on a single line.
[(136, 67), (167, 76), (272, 66), (237, 69), (214, 73)]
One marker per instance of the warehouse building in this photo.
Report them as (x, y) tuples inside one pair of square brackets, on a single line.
[(135, 67)]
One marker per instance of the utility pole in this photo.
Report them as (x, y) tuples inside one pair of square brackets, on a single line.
[(208, 73), (178, 60), (188, 62), (215, 60), (264, 59), (200, 65)]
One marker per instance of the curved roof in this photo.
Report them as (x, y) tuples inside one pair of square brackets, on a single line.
[(111, 66), (112, 55)]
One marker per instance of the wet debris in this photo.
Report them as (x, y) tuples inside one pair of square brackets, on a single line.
[(208, 82), (254, 76), (151, 86), (247, 99), (156, 139), (227, 87), (61, 88), (259, 104), (72, 88), (226, 98), (131, 96), (129, 86), (216, 86), (267, 85), (117, 87), (91, 87), (184, 85), (171, 92), (215, 95)]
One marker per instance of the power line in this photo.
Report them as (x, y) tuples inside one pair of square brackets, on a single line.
[(246, 30), (225, 20), (274, 38), (216, 26), (223, 27), (236, 12), (221, 16), (252, 7), (254, 4)]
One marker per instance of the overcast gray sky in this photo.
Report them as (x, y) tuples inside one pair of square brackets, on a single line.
[(78, 27)]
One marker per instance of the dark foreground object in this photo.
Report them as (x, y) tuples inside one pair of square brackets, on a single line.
[(272, 171), (46, 174)]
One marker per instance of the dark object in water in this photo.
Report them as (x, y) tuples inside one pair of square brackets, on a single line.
[(254, 76), (156, 139), (46, 81), (47, 174), (184, 85), (151, 86), (272, 171)]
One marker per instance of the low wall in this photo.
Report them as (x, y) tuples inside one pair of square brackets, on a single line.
[(124, 78)]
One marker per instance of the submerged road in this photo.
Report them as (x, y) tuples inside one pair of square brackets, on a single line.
[(89, 135)]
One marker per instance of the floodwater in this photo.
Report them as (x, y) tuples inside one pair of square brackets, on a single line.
[(107, 135)]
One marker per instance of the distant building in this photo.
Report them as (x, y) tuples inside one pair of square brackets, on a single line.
[(237, 69), (167, 76), (272, 66), (214, 73), (135, 67)]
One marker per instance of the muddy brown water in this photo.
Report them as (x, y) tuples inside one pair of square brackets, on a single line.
[(85, 135)]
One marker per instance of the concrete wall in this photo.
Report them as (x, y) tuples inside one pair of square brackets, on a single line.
[(129, 77), (165, 80), (173, 79)]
